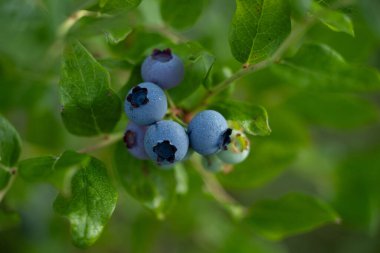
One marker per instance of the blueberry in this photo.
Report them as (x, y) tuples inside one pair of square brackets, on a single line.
[(163, 68), (134, 140), (212, 163), (166, 142), (145, 104), (208, 132), (237, 150)]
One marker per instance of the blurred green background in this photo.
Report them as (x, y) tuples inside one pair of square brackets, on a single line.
[(323, 143)]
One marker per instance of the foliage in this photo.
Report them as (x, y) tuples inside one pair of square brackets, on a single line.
[(300, 77)]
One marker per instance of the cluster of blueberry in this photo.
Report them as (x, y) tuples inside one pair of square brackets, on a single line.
[(164, 141)]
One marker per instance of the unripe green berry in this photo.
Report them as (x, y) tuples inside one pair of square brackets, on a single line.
[(237, 150)]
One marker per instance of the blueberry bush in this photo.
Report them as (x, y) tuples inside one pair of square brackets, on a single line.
[(190, 126)]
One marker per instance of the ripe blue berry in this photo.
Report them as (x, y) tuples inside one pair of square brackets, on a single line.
[(163, 68), (134, 140), (208, 132), (166, 142), (145, 104), (237, 150)]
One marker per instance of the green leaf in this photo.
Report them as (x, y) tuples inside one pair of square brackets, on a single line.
[(181, 14), (258, 28), (318, 67), (90, 106), (36, 169), (118, 5), (89, 199), (70, 159), (151, 186), (90, 203), (43, 168), (335, 20), (115, 36), (357, 189), (341, 111), (292, 214), (253, 118), (10, 144), (198, 63)]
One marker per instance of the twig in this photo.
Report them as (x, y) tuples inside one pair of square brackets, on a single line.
[(173, 110), (4, 191), (107, 140), (55, 49), (175, 37), (241, 73), (217, 191), (296, 34), (65, 27), (170, 101)]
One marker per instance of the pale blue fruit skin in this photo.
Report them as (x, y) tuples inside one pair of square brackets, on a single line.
[(151, 112), (212, 163), (165, 74), (205, 132), (138, 149), (166, 130), (229, 156)]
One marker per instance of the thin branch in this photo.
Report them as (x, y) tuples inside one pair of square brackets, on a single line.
[(174, 36), (170, 101), (4, 191), (65, 27), (217, 191), (296, 34), (55, 49), (178, 120), (173, 110), (107, 141), (241, 73)]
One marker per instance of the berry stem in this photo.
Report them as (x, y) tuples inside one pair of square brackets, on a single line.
[(178, 120), (173, 110), (170, 101)]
